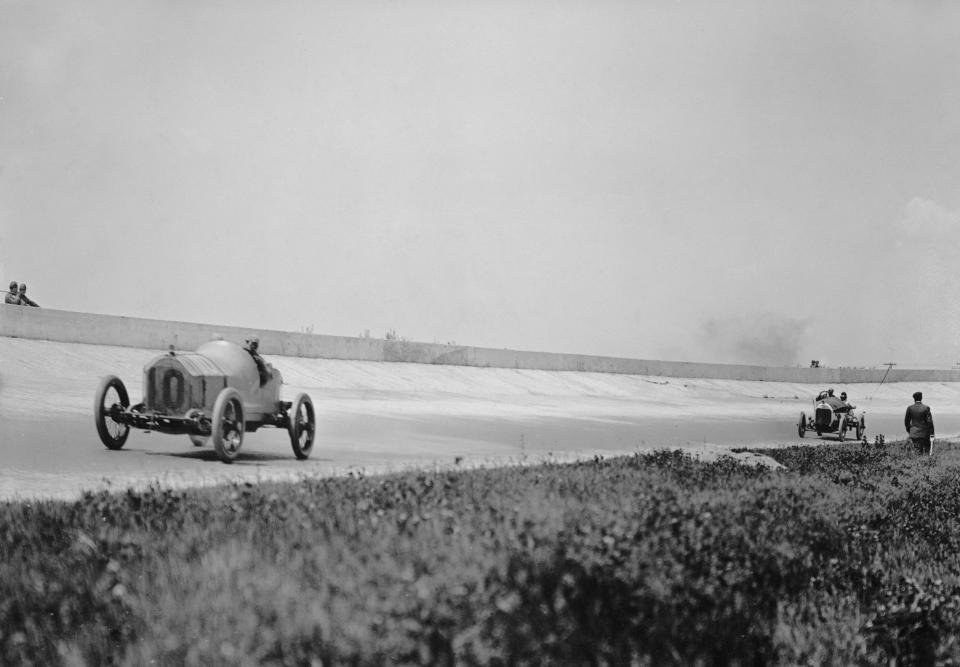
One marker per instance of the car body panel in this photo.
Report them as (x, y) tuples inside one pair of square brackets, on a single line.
[(202, 375)]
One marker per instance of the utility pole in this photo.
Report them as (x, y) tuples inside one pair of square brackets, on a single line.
[(889, 365)]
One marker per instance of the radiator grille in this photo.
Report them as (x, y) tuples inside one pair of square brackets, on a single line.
[(168, 389)]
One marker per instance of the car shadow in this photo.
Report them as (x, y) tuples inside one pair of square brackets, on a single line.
[(847, 440), (210, 456)]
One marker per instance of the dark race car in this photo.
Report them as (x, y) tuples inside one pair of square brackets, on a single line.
[(828, 418), (215, 393)]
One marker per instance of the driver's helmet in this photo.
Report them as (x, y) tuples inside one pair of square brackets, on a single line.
[(829, 392), (253, 342), (843, 395)]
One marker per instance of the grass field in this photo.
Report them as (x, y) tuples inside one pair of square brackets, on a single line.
[(847, 557)]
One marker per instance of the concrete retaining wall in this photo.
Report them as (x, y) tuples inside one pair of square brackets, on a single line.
[(70, 327)]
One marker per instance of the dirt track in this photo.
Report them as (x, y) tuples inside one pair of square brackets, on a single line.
[(376, 417)]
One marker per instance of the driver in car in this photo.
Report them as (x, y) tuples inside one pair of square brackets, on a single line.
[(252, 347), (845, 406), (833, 401)]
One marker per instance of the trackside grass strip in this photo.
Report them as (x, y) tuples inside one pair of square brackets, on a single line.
[(849, 556)]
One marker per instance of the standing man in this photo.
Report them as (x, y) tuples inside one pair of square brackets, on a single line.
[(919, 424), (24, 299), (13, 296)]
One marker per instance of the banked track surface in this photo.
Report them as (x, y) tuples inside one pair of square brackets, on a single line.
[(382, 417)]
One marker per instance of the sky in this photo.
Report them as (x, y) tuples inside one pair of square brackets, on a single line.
[(736, 182)]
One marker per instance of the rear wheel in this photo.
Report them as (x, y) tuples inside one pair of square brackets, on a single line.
[(227, 424), (302, 426), (842, 428), (802, 426), (111, 396)]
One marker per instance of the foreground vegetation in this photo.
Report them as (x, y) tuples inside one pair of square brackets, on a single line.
[(847, 557)]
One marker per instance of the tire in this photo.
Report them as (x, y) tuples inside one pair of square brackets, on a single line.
[(302, 426), (802, 426), (842, 428), (111, 392), (227, 425)]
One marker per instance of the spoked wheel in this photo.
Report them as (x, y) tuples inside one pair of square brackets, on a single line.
[(802, 426), (302, 426), (228, 425), (842, 428), (111, 397), (859, 429)]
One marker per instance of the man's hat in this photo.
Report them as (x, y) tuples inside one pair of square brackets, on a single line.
[(13, 284), (23, 287)]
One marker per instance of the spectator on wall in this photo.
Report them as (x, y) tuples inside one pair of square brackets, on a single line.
[(24, 299), (13, 296)]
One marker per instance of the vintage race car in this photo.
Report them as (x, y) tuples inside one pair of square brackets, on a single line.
[(215, 393), (827, 419)]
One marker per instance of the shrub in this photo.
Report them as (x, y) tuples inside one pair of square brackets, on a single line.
[(847, 557)]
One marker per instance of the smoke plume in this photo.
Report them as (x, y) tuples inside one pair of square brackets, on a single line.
[(765, 339)]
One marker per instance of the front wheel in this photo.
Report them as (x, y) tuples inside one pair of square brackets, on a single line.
[(111, 395), (842, 428), (802, 426), (302, 426), (227, 424)]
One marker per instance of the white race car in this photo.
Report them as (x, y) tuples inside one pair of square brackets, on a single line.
[(217, 392)]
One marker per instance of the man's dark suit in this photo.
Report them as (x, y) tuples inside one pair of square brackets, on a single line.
[(919, 424)]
